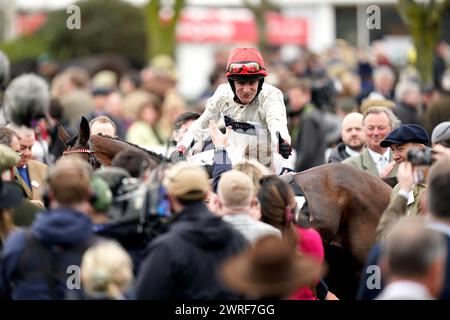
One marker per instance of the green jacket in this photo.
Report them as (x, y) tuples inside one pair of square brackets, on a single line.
[(398, 207), (365, 162)]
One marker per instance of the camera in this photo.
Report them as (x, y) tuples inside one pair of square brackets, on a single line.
[(419, 157)]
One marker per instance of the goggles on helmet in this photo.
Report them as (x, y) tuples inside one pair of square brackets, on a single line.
[(244, 67)]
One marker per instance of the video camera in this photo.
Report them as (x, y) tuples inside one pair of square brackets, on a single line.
[(138, 214), (419, 157), (421, 161)]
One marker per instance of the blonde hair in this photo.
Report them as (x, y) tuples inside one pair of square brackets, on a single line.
[(254, 170), (106, 269), (235, 189)]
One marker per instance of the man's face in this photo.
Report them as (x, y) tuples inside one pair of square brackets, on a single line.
[(298, 98), (400, 151), (246, 91), (15, 145), (179, 134), (26, 143), (376, 127), (353, 134), (105, 128)]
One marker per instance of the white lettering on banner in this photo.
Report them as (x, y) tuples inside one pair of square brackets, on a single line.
[(374, 19)]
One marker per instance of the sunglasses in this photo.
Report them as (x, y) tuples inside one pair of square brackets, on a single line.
[(249, 67)]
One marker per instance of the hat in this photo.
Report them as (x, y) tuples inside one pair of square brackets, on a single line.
[(105, 79), (270, 269), (368, 103), (8, 158), (10, 195), (406, 133), (441, 132), (187, 182)]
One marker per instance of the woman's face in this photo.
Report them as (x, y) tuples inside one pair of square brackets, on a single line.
[(149, 115)]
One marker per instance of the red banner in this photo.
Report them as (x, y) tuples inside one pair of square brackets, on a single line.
[(237, 26)]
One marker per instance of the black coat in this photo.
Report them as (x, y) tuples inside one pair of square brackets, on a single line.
[(182, 263), (338, 154)]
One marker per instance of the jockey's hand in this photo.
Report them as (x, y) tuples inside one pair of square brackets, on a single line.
[(178, 155), (284, 148)]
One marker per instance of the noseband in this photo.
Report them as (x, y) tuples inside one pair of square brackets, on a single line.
[(92, 159)]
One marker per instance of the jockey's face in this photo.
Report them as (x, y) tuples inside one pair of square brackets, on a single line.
[(246, 91)]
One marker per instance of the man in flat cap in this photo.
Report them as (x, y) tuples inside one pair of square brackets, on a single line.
[(441, 134), (406, 194), (181, 264)]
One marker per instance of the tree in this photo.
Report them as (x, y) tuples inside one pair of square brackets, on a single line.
[(259, 11), (112, 26), (161, 24), (424, 21)]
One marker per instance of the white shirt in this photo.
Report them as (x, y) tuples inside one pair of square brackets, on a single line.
[(381, 160), (268, 110), (405, 290), (250, 228), (351, 152)]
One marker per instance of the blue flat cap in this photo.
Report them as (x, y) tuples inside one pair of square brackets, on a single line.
[(406, 133)]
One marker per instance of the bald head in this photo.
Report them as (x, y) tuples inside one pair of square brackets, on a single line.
[(352, 132)]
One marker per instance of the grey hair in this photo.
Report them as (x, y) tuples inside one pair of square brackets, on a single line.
[(4, 70), (405, 87), (383, 71), (411, 248), (394, 122), (27, 98)]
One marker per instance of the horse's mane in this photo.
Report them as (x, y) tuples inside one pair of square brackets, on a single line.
[(152, 154)]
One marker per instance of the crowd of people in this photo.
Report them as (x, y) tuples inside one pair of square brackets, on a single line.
[(214, 220)]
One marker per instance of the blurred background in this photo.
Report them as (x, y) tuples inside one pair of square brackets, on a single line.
[(197, 34)]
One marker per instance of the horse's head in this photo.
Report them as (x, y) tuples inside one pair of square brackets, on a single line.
[(79, 144)]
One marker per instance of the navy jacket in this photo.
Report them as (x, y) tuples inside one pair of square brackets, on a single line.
[(181, 264), (65, 233)]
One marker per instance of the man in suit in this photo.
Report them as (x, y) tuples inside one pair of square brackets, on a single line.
[(30, 174), (405, 196), (376, 160)]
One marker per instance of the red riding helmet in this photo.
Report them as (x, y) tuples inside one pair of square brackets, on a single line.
[(246, 62)]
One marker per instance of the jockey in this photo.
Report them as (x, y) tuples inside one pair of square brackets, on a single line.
[(245, 100)]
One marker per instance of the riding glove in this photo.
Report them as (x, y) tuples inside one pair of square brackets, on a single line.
[(284, 148)]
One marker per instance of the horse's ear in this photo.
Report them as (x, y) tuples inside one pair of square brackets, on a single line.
[(85, 131), (62, 134)]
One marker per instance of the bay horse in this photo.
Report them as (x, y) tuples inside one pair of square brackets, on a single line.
[(344, 206), (99, 150)]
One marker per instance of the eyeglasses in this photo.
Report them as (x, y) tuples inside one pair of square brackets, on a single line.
[(249, 67)]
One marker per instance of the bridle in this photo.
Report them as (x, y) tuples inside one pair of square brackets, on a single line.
[(92, 159)]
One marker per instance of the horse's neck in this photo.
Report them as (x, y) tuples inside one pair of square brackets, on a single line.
[(108, 147)]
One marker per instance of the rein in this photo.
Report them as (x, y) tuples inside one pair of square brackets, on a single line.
[(93, 160)]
